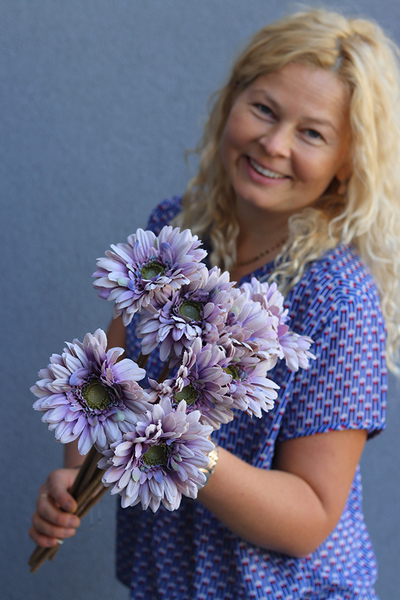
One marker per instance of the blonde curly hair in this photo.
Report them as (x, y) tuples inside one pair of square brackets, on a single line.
[(368, 215)]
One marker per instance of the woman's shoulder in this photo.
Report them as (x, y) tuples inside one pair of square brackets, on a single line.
[(337, 282), (163, 213), (342, 272)]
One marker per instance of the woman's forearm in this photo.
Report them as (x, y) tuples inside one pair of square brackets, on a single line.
[(285, 509), (72, 458), (271, 509)]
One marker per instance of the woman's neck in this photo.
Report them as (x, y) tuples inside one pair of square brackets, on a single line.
[(261, 237)]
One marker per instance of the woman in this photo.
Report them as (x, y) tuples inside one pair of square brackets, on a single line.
[(297, 182)]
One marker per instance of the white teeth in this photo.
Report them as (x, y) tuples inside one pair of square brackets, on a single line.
[(265, 172)]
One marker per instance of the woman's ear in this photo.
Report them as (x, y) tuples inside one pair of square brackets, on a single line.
[(342, 187), (345, 170), (343, 175)]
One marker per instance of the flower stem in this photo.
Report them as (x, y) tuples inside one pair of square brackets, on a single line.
[(164, 373), (90, 468), (74, 490), (40, 555), (142, 360), (92, 502), (87, 493)]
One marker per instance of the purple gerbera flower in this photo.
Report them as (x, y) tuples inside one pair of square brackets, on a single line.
[(250, 388), (202, 382), (268, 296), (148, 269), (294, 348), (85, 393), (251, 329), (199, 309), (159, 459)]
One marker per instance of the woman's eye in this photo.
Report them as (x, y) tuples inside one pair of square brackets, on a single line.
[(313, 133), (264, 109)]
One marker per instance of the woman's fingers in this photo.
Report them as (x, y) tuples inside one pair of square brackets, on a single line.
[(52, 521), (52, 513), (57, 485), (46, 534)]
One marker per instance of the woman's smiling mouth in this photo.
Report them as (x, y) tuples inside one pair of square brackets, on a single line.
[(265, 172)]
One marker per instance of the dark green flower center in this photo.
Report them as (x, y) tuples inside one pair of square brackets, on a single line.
[(233, 371), (152, 269), (188, 393), (191, 310), (96, 395), (155, 456)]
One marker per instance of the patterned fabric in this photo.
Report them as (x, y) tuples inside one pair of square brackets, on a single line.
[(188, 554)]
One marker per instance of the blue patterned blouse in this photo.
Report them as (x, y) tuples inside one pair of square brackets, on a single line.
[(188, 554)]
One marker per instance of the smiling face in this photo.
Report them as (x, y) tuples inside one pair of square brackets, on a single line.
[(286, 138)]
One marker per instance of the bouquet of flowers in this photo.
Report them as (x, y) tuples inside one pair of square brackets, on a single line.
[(218, 343)]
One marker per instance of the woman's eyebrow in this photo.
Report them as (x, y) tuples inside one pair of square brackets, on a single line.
[(267, 97), (326, 122), (308, 119)]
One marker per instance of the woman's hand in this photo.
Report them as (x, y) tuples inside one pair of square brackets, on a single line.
[(53, 519)]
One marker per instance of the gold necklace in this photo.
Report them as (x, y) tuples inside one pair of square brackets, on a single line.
[(268, 251)]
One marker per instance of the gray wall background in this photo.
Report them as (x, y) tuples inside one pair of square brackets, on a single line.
[(98, 101)]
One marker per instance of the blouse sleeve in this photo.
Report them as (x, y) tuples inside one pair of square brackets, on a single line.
[(163, 213), (345, 388)]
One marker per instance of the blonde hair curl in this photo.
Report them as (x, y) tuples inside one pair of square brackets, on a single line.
[(368, 216)]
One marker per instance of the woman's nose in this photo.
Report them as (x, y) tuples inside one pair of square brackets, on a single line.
[(277, 141)]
